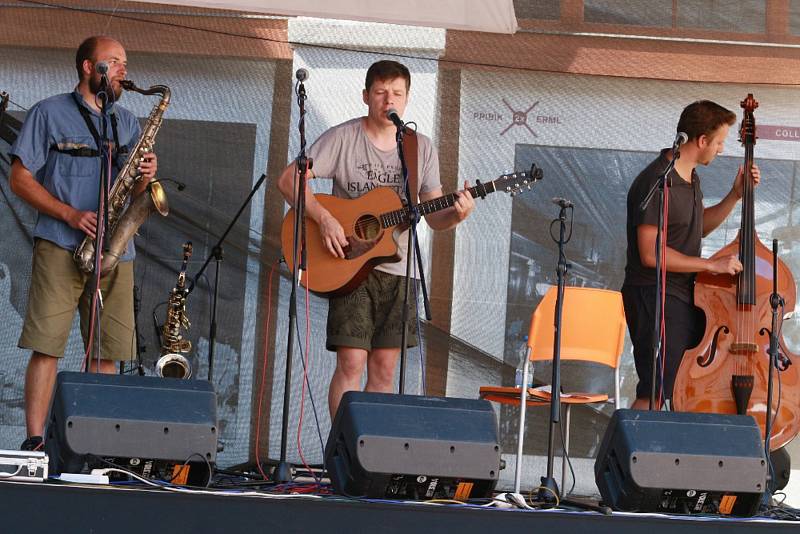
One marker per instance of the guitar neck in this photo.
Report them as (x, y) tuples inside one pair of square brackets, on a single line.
[(393, 218)]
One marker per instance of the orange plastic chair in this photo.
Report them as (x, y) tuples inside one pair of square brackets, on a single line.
[(592, 330)]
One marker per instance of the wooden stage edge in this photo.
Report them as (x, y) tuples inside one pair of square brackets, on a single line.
[(52, 507)]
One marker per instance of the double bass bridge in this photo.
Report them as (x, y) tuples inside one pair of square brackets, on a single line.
[(742, 348)]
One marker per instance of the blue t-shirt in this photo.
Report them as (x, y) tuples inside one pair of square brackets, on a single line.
[(56, 124)]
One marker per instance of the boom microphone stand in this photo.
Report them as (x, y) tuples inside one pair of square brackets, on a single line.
[(411, 253), (102, 204), (217, 255), (662, 188), (283, 471)]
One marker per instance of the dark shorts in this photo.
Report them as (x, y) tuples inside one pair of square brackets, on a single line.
[(685, 325), (371, 316)]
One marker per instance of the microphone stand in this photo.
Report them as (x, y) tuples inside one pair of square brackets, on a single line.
[(102, 212), (4, 98), (662, 188), (776, 301), (217, 256), (411, 253), (283, 471), (140, 347), (548, 489)]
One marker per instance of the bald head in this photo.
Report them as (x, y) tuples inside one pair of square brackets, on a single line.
[(88, 51)]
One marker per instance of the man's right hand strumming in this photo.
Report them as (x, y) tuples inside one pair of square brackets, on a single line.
[(333, 237)]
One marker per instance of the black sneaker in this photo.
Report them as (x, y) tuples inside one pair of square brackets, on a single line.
[(33, 443)]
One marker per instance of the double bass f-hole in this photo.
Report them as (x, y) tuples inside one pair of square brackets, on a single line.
[(783, 362), (704, 360)]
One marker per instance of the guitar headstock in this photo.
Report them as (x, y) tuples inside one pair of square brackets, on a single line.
[(515, 183)]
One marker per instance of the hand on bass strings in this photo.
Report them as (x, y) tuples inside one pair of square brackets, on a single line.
[(724, 265), (739, 181)]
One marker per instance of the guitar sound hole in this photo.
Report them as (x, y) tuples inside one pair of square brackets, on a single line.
[(367, 227)]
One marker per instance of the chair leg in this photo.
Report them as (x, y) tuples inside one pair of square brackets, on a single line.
[(523, 405), (565, 449)]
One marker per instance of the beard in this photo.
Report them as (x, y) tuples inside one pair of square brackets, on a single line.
[(114, 89)]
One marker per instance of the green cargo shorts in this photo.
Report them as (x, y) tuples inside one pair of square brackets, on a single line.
[(58, 287), (371, 316)]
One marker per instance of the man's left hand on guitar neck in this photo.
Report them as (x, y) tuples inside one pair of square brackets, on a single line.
[(449, 218)]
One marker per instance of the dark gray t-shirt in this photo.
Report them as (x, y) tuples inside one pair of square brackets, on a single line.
[(345, 154), (684, 226)]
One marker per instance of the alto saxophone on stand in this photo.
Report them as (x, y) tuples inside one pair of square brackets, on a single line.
[(125, 216), (173, 364)]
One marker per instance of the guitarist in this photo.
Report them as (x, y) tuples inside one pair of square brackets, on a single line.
[(364, 327)]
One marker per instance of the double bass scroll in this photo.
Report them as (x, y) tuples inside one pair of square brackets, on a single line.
[(727, 372)]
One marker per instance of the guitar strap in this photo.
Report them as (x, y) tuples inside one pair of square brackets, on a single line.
[(411, 153)]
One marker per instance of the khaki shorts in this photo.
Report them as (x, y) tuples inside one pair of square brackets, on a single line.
[(58, 287), (371, 316)]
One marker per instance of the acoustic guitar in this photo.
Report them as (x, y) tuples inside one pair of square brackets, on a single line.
[(372, 223)]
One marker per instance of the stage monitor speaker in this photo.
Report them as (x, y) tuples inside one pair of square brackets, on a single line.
[(782, 468), (410, 447), (686, 463), (149, 425)]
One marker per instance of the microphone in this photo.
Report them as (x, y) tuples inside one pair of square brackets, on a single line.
[(393, 116), (301, 75), (101, 67), (563, 203), (680, 139)]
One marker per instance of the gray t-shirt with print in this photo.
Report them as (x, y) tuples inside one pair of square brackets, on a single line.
[(345, 154)]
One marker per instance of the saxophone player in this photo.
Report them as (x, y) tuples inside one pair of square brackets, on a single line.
[(56, 170)]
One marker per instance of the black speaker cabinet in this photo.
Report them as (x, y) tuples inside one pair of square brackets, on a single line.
[(681, 463), (147, 424), (782, 468), (411, 447)]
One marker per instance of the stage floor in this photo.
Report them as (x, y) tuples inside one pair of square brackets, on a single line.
[(58, 507)]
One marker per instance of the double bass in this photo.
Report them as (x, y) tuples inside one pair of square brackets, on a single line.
[(727, 372)]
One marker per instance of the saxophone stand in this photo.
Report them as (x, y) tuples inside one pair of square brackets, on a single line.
[(411, 253), (283, 471), (217, 256), (102, 214), (662, 188)]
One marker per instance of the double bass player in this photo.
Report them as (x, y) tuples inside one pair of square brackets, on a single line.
[(706, 125)]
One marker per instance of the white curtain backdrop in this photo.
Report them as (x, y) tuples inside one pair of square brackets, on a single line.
[(495, 16)]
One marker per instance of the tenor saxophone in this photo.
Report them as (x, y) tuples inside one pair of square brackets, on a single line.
[(125, 216), (172, 363)]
